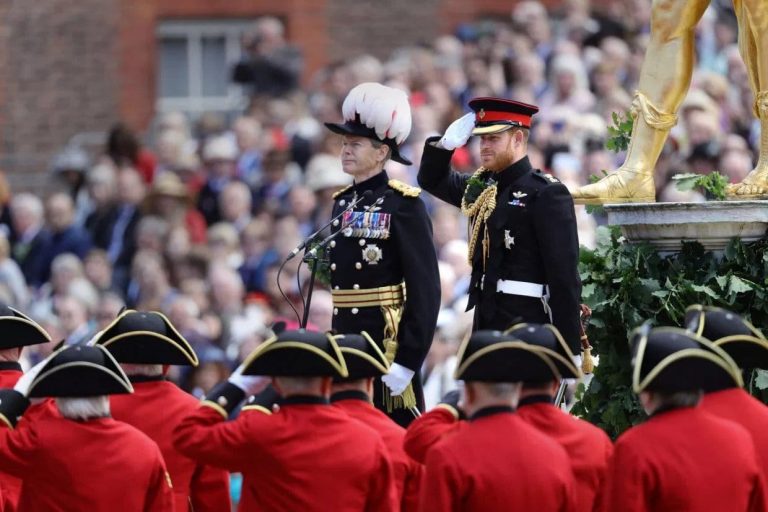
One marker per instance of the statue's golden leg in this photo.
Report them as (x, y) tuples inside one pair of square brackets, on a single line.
[(752, 16), (664, 81)]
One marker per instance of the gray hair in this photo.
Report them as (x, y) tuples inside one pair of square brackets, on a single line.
[(83, 408), (30, 202), (146, 370)]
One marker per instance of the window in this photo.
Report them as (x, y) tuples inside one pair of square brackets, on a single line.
[(195, 60)]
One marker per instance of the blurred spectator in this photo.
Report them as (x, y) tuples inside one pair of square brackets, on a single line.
[(98, 270), (69, 168), (149, 288), (224, 245), (270, 66), (249, 136), (258, 253), (119, 236), (12, 277), (272, 195), (109, 307), (219, 158), (101, 186), (324, 177), (125, 150), (66, 236), (27, 219), (236, 204), (73, 315), (170, 200)]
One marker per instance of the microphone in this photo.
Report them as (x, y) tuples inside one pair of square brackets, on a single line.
[(311, 237), (313, 252)]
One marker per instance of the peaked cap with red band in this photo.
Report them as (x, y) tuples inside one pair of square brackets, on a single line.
[(495, 115)]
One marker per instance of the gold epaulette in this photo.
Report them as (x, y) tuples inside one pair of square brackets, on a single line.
[(339, 192), (404, 188)]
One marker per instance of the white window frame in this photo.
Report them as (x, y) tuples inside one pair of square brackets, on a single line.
[(194, 31)]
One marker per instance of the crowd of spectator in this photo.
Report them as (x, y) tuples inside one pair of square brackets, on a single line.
[(195, 219)]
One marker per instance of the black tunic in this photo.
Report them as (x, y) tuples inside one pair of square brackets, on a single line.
[(533, 238)]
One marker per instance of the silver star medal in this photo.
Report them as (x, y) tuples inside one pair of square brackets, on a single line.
[(372, 254), (509, 241)]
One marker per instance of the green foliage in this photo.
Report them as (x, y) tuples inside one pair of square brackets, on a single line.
[(626, 284), (323, 275), (475, 187), (620, 133), (713, 184)]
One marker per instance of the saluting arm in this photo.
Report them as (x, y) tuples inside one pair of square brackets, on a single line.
[(435, 174)]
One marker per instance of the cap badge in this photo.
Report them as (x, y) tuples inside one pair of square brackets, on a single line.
[(481, 114), (519, 195)]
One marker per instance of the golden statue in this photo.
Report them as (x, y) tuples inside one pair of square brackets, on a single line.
[(664, 81)]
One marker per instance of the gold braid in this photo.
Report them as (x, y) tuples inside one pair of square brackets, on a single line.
[(479, 212)]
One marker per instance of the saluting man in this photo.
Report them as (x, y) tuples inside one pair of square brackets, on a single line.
[(523, 243), (383, 265)]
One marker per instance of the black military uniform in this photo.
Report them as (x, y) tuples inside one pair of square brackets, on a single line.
[(384, 253), (529, 268)]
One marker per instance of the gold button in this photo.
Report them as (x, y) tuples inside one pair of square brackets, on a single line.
[(336, 287), (354, 311), (362, 242), (333, 266), (355, 286), (342, 202), (333, 243), (335, 311), (336, 222), (222, 401), (358, 265)]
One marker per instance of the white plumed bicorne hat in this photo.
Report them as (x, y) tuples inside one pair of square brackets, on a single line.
[(377, 112)]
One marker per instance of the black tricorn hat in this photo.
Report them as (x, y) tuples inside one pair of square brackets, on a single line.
[(493, 356), (729, 331), (495, 115), (549, 340), (146, 337), (80, 371), (298, 353), (362, 355), (18, 330), (670, 359)]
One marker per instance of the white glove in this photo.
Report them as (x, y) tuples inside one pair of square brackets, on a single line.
[(577, 359), (458, 132), (22, 385), (251, 384), (397, 379)]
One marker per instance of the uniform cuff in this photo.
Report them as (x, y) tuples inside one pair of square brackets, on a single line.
[(12, 406), (224, 397)]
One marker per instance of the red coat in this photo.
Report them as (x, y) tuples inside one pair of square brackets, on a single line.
[(10, 486), (685, 459), (308, 457), (96, 465), (740, 407), (408, 472), (427, 430), (588, 447), (497, 462), (156, 408)]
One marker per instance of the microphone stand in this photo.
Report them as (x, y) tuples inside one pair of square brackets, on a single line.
[(311, 258)]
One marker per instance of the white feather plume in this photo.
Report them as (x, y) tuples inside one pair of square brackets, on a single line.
[(381, 108)]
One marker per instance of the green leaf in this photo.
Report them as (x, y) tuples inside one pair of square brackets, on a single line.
[(685, 182), (738, 285)]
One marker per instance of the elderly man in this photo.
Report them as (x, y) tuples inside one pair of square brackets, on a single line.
[(307, 456), (145, 343), (81, 458), (682, 458)]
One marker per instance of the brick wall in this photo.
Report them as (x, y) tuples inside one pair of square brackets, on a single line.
[(59, 67)]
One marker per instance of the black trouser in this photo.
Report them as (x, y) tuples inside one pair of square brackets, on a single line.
[(507, 311), (402, 417)]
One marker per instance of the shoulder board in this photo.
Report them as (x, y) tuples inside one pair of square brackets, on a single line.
[(404, 188), (339, 192), (546, 177)]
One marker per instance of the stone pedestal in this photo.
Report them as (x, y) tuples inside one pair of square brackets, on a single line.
[(667, 225)]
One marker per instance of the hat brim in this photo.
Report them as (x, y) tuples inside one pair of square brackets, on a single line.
[(360, 130), (21, 331), (143, 346), (74, 372), (493, 128), (747, 351), (278, 357), (362, 363), (508, 361)]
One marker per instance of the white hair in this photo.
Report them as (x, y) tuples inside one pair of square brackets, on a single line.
[(30, 202), (147, 370), (83, 408)]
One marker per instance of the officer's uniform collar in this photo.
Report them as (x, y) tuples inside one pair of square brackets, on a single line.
[(513, 172), (351, 394), (489, 411), (304, 400), (372, 183)]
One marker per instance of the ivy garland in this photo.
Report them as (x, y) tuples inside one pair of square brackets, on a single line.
[(626, 284)]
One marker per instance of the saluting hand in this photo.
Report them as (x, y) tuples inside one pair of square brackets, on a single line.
[(251, 384), (458, 132)]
